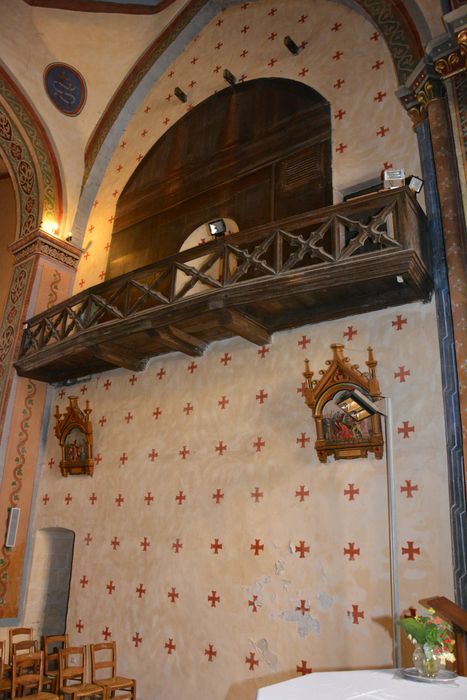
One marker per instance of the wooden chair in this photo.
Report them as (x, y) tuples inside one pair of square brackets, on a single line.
[(72, 675), (104, 660), (25, 646), (28, 672), (5, 683), (51, 644), (18, 634)]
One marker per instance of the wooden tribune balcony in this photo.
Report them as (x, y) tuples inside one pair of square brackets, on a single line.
[(350, 258)]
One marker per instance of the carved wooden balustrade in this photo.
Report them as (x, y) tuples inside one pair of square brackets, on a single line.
[(350, 258)]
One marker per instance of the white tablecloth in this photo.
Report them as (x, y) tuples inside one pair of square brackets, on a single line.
[(387, 684)]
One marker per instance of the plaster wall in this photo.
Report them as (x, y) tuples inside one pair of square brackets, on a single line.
[(7, 236)]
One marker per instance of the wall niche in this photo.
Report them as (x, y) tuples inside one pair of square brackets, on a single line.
[(255, 153)]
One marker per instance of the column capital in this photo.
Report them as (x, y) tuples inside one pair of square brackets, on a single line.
[(423, 86), (42, 243), (448, 52)]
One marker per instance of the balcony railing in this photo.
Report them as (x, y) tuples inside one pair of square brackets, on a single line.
[(356, 256)]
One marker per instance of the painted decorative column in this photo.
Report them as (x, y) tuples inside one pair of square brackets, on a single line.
[(43, 275)]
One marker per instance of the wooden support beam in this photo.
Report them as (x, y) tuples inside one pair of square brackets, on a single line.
[(120, 356), (176, 339), (245, 327)]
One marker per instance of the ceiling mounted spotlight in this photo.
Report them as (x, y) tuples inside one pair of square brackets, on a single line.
[(229, 77), (178, 92), (292, 46)]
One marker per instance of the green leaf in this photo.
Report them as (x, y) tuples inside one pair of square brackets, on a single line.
[(414, 628)]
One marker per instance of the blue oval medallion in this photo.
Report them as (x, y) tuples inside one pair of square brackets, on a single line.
[(65, 87)]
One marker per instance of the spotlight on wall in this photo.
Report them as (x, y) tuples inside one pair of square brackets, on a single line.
[(178, 92), (229, 77), (357, 404), (292, 46), (415, 183), (393, 178), (69, 238), (217, 227)]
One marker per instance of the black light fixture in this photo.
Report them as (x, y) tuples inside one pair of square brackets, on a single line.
[(292, 46), (217, 227), (229, 77), (356, 404), (178, 92), (415, 183)]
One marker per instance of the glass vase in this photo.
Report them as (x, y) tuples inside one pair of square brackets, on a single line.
[(426, 663)]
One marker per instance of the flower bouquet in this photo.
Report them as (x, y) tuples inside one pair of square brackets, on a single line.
[(433, 640)]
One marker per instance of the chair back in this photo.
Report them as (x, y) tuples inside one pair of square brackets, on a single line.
[(72, 665), (2, 658), (25, 646), (52, 644), (27, 672), (17, 634), (103, 661)]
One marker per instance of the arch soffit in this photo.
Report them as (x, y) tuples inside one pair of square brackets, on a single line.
[(391, 17), (30, 159)]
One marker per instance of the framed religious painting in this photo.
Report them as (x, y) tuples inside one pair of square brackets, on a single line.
[(74, 432)]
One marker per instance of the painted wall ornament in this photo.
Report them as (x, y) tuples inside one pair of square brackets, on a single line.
[(337, 433), (66, 88), (74, 432)]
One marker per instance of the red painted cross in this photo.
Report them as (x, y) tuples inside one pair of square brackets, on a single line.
[(225, 359), (115, 543), (149, 498), (123, 144), (341, 148), (180, 497), (101, 275), (351, 492), (406, 429), (402, 374), (45, 498), (257, 494), (241, 79), (145, 544), (272, 36), (356, 614), (61, 393), (147, 109), (340, 114), (272, 62), (106, 633), (220, 448), (157, 413), (337, 56), (137, 639), (216, 545), (161, 373), (303, 19), (213, 599), (303, 440), (192, 366), (93, 498), (223, 402), (301, 389), (84, 581), (153, 455), (107, 246), (84, 389), (102, 421), (303, 72), (119, 500), (184, 452), (251, 661), (244, 53), (217, 495), (111, 219), (139, 157), (335, 27), (172, 594), (169, 97), (272, 11), (408, 488), (263, 351), (192, 83), (374, 36), (98, 458), (303, 669), (377, 65), (143, 134), (140, 590), (87, 253), (110, 587), (302, 607), (170, 646), (188, 408), (302, 492), (95, 203), (259, 444), (68, 499), (194, 60), (257, 547), (302, 548), (350, 332), (219, 45), (399, 322), (352, 551), (382, 131), (119, 168), (303, 342), (244, 29), (410, 550), (128, 417), (123, 458), (88, 539), (133, 379), (219, 22), (79, 626), (379, 97), (261, 396), (217, 69), (177, 545), (252, 604), (339, 83), (210, 652)]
